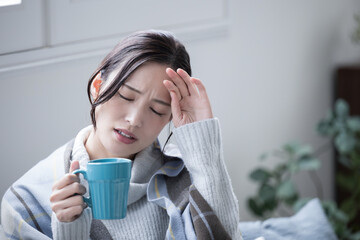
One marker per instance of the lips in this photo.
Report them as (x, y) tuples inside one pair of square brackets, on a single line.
[(125, 136)]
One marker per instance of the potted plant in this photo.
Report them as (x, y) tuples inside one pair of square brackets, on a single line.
[(277, 194)]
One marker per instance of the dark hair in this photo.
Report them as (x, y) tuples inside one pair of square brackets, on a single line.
[(133, 51)]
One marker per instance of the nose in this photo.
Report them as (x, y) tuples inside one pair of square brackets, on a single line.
[(134, 117)]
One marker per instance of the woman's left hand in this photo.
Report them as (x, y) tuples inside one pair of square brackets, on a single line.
[(189, 101)]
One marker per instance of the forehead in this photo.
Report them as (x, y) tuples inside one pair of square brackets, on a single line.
[(148, 75)]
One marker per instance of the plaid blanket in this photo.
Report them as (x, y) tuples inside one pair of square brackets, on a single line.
[(27, 213)]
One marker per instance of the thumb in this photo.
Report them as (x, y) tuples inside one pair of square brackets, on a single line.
[(74, 165)]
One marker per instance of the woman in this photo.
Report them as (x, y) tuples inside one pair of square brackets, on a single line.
[(142, 84)]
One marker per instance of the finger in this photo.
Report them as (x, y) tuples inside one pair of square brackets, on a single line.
[(67, 191), (191, 87), (66, 180), (175, 106), (200, 86), (76, 200), (69, 214), (74, 165), (171, 87), (179, 82)]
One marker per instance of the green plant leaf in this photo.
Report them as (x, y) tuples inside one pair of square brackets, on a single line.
[(355, 236), (333, 213), (325, 126), (291, 148), (308, 163), (339, 126), (286, 190), (291, 201), (267, 193), (280, 168), (353, 123), (349, 207), (303, 150), (260, 175), (279, 171), (293, 167), (255, 207), (341, 108), (329, 116), (345, 143), (340, 215), (271, 205)]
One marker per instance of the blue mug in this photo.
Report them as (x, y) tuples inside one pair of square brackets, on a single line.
[(109, 180)]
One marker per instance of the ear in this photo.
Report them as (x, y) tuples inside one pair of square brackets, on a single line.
[(95, 86)]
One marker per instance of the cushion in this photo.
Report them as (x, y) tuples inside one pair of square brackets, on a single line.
[(308, 223)]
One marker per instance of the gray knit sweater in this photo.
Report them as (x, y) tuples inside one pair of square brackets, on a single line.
[(201, 150)]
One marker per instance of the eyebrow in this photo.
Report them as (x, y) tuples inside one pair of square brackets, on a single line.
[(131, 88), (155, 100)]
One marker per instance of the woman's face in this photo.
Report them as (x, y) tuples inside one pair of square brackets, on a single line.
[(133, 118)]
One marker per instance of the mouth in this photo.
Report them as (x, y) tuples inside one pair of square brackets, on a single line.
[(125, 136)]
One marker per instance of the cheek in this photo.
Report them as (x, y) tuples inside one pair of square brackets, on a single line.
[(107, 112), (155, 126)]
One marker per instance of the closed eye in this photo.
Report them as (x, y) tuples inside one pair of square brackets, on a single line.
[(157, 113), (127, 99)]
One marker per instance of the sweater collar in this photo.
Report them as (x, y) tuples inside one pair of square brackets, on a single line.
[(145, 164)]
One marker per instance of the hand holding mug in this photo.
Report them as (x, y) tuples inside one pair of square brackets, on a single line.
[(66, 198)]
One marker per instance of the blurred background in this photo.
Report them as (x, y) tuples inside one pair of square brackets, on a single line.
[(268, 66)]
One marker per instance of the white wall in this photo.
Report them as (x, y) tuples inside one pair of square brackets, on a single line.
[(278, 65), (269, 77)]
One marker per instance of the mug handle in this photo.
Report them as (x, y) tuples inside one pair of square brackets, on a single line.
[(83, 172)]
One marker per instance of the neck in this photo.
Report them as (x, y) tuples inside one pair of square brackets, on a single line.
[(93, 147)]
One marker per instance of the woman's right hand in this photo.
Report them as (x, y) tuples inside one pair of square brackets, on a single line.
[(66, 198)]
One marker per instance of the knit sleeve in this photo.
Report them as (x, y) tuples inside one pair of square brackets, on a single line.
[(76, 230), (201, 147)]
